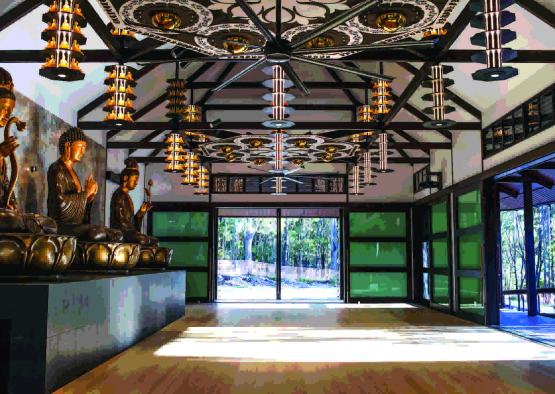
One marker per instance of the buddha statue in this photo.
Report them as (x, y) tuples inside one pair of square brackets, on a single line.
[(68, 202), (122, 211)]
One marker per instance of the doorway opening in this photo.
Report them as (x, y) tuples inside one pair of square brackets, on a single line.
[(278, 254)]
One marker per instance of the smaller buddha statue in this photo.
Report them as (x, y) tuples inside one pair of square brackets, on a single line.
[(111, 101), (52, 25), (77, 10), (65, 24), (51, 44), (68, 202), (113, 74), (53, 7), (129, 90), (128, 103), (112, 88), (75, 47), (76, 28), (120, 115), (64, 44), (50, 62), (122, 211), (75, 65), (122, 88), (129, 76), (111, 116), (128, 117)]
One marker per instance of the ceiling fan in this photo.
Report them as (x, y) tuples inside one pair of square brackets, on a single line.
[(278, 51)]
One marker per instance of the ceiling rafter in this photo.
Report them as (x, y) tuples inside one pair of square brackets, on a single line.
[(260, 107), (352, 127), (223, 75), (539, 11), (100, 28), (18, 12), (149, 55), (145, 140), (393, 160)]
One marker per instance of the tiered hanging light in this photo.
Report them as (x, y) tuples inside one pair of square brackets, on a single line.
[(190, 169), (383, 152), (176, 96), (367, 168), (278, 160), (437, 82), (202, 180), (381, 97), (64, 38), (122, 33), (119, 105), (492, 18), (436, 33), (174, 152)]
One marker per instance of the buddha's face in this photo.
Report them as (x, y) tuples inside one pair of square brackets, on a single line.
[(6, 108), (130, 182), (75, 150)]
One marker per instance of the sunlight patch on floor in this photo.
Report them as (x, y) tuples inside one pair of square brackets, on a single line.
[(304, 344)]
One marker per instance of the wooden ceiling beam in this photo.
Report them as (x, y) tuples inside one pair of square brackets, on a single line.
[(149, 55), (18, 12), (145, 140), (350, 126), (391, 160), (508, 190), (297, 107), (97, 24), (539, 11)]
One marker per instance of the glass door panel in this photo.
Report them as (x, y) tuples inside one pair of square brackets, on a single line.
[(310, 258), (247, 255)]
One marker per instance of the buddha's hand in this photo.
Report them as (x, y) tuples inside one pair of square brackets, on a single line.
[(145, 207), (8, 147), (91, 187)]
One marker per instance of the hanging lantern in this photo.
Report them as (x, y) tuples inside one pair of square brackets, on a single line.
[(367, 168), (365, 114), (492, 18), (279, 135), (437, 82), (355, 180), (122, 33), (202, 180), (190, 168), (176, 96), (279, 110), (64, 38), (381, 99), (174, 152), (119, 105), (383, 152), (436, 33)]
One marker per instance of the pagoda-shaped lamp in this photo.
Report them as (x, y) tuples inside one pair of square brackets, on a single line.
[(119, 106)]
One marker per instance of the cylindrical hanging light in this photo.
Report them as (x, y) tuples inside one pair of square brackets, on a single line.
[(383, 152), (492, 18), (119, 105), (279, 110), (174, 152), (64, 38), (176, 95), (355, 180), (190, 168), (202, 180), (381, 98), (278, 150), (437, 82), (367, 168), (123, 34)]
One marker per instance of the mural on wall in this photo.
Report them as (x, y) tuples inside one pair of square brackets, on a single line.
[(39, 148)]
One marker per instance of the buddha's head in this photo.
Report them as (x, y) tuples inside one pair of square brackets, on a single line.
[(7, 97), (130, 174), (72, 145)]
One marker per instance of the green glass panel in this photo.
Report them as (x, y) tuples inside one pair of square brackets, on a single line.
[(180, 224), (470, 251), (470, 295), (377, 224), (383, 254), (188, 254), (378, 284), (469, 209), (440, 253), (439, 218), (440, 289), (197, 284)]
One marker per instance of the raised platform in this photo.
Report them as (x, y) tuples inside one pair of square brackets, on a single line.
[(53, 330)]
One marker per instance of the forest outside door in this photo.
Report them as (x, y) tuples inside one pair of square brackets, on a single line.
[(306, 242)]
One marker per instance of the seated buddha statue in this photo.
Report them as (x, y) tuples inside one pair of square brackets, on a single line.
[(11, 220), (68, 202), (122, 211)]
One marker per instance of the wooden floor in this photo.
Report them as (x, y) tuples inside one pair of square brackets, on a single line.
[(318, 348)]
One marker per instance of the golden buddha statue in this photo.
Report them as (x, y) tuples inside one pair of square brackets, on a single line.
[(50, 62), (51, 25), (64, 44), (75, 65), (63, 62), (75, 47), (76, 28), (68, 202), (110, 116), (113, 74), (129, 76), (122, 211), (66, 7), (51, 44), (77, 10), (53, 7), (65, 24), (128, 117)]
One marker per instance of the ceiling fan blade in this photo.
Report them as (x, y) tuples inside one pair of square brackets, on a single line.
[(268, 180), (221, 134), (256, 21), (293, 171), (257, 169), (240, 74), (299, 84), (347, 69), (350, 48), (293, 180), (333, 23)]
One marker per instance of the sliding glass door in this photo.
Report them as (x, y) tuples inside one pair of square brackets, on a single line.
[(306, 242)]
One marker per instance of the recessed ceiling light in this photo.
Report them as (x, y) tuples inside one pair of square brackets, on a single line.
[(62, 75), (495, 75), (119, 124)]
